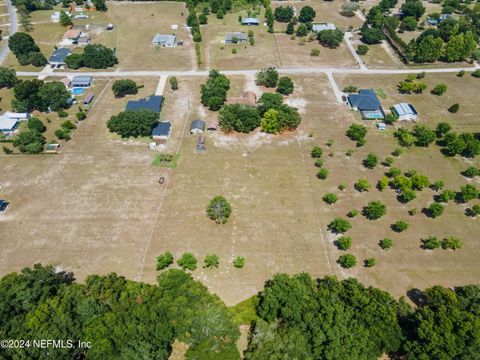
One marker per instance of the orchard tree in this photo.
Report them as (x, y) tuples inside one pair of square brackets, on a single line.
[(362, 185), (451, 243), (344, 242), (374, 210), (267, 77), (431, 243), (386, 243), (322, 174), (347, 261), (187, 262), (467, 192), (164, 261), (357, 132), (219, 209), (316, 152), (330, 198), (285, 85), (371, 161), (435, 210), (399, 226), (307, 14), (339, 225), (211, 261)]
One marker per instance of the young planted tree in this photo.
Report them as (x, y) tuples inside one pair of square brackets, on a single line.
[(173, 83), (330, 198), (386, 243), (239, 262), (211, 261), (164, 261), (371, 161), (285, 85), (322, 174), (344, 242), (347, 261), (435, 210), (399, 226), (362, 185), (316, 152), (219, 209), (339, 225), (187, 262), (374, 210), (124, 87), (431, 243)]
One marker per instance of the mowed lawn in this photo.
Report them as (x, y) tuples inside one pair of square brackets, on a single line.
[(216, 54), (87, 209), (137, 23)]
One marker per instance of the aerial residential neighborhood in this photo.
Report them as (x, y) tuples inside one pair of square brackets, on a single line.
[(230, 179)]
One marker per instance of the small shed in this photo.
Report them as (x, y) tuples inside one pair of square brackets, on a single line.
[(249, 21), (201, 144), (197, 126), (235, 38), (81, 81), (161, 131), (212, 126), (52, 148), (323, 27), (88, 99)]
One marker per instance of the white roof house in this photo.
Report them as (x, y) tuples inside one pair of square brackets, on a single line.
[(405, 112), (164, 40), (17, 116), (322, 27), (7, 125)]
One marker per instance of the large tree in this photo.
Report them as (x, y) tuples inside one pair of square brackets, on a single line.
[(98, 56), (239, 117), (8, 77), (307, 14), (133, 123), (214, 91)]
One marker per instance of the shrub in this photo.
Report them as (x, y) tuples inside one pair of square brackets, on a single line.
[(437, 185), (322, 174), (362, 185), (267, 77), (316, 152), (431, 243), (347, 261), (187, 262), (399, 226), (374, 210), (467, 192), (319, 163), (471, 172), (234, 51), (370, 262), (36, 124), (330, 198), (439, 89), (357, 132), (164, 261), (475, 210), (239, 262), (315, 52), (285, 85), (445, 196), (81, 115), (344, 242), (350, 90), (362, 49), (352, 213), (435, 210), (451, 243), (211, 261), (173, 83), (62, 134), (385, 244), (219, 209), (476, 73), (454, 108), (62, 114), (342, 186), (371, 161), (461, 73), (339, 225)]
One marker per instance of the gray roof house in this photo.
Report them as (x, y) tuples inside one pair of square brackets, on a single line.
[(153, 103), (59, 55), (197, 126), (161, 131), (164, 40), (323, 26), (235, 38), (366, 101), (81, 81), (250, 21)]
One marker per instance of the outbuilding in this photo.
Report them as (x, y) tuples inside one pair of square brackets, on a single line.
[(201, 143), (81, 81), (405, 112), (88, 99), (3, 206), (323, 27), (161, 131), (235, 38), (250, 21), (164, 40), (197, 126)]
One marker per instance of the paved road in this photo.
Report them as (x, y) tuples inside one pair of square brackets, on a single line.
[(293, 71), (12, 30)]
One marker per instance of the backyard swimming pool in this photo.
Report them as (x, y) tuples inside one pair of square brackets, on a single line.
[(77, 91)]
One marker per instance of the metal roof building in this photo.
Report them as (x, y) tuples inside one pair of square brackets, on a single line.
[(250, 21), (153, 103), (8, 125), (81, 81), (323, 26), (197, 126), (164, 40), (405, 111)]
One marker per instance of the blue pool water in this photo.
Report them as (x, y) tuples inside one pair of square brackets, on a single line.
[(77, 91)]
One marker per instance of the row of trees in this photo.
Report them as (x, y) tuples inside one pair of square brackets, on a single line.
[(329, 319), (188, 262), (121, 318), (94, 56)]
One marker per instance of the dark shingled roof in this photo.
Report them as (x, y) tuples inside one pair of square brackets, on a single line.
[(365, 100), (153, 103), (59, 55)]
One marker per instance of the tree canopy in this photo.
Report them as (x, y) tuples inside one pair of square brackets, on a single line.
[(133, 123), (214, 91)]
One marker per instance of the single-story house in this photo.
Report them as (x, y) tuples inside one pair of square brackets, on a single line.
[(58, 57), (161, 131), (235, 38), (367, 103), (81, 81), (88, 99), (153, 102), (55, 17), (323, 26), (405, 112), (7, 125), (247, 98), (436, 21), (201, 143), (250, 21), (83, 41), (164, 40), (3, 206), (197, 126), (71, 36), (212, 126)]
